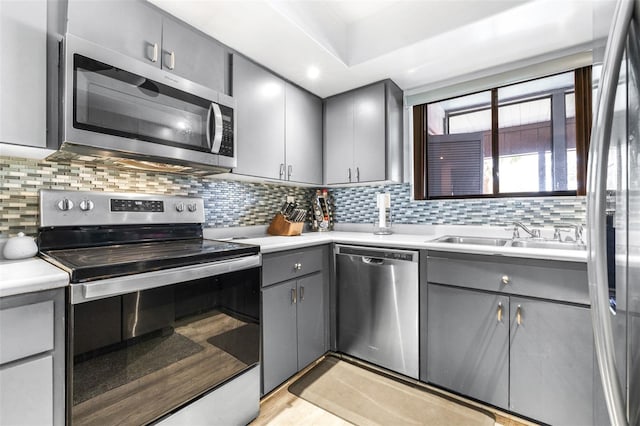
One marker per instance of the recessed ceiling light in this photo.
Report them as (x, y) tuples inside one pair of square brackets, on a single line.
[(313, 72)]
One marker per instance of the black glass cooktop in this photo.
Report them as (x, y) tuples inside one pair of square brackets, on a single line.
[(94, 263)]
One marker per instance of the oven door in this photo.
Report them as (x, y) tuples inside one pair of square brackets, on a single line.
[(138, 356), (114, 103)]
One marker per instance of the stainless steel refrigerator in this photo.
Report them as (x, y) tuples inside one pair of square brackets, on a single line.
[(613, 188)]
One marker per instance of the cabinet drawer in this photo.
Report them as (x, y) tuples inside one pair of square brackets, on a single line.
[(30, 399), (291, 264), (555, 280), (26, 330)]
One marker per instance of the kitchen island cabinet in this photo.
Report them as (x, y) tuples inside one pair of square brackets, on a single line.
[(294, 313), (506, 332), (363, 135), (32, 379), (279, 126), (143, 32)]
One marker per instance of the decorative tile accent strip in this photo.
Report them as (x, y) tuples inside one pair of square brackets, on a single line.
[(227, 203), (358, 205)]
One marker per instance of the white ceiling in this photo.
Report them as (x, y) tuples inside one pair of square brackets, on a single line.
[(414, 42)]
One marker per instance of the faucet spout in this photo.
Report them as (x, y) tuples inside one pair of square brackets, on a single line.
[(533, 233)]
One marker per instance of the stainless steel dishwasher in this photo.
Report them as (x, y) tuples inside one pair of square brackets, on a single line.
[(378, 306)]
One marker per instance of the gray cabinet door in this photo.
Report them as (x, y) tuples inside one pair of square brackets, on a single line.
[(311, 319), (279, 346), (551, 362), (26, 396), (467, 343), (303, 135), (260, 120), (369, 138), (195, 57), (338, 139), (129, 27), (23, 72)]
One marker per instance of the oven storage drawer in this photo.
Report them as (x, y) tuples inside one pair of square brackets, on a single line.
[(555, 280), (289, 265), (26, 330)]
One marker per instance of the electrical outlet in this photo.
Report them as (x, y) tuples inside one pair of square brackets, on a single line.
[(291, 199)]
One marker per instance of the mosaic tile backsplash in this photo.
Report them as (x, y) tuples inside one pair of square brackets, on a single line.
[(232, 203)]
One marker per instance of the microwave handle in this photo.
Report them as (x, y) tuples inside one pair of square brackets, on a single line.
[(217, 126)]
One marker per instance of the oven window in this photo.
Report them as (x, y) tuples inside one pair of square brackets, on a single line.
[(139, 356), (116, 102)]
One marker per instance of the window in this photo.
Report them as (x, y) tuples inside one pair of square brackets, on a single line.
[(517, 140)]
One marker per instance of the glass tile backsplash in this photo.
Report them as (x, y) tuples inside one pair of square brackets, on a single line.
[(232, 203)]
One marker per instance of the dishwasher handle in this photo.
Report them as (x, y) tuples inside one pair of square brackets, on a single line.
[(372, 260)]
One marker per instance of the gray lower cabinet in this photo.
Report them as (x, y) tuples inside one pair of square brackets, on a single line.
[(293, 329), (279, 126), (468, 343), (23, 72), (551, 362), (139, 30), (363, 135), (514, 333), (32, 379)]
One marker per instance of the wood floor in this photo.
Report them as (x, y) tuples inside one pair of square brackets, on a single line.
[(282, 408)]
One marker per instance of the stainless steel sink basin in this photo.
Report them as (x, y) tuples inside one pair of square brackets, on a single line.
[(482, 241), (548, 245)]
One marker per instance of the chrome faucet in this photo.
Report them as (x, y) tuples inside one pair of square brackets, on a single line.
[(577, 229), (533, 232)]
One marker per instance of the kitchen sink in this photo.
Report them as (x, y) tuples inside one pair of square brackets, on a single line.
[(482, 241), (504, 242), (548, 245)]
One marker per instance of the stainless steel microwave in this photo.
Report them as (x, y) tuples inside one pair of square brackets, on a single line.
[(117, 107)]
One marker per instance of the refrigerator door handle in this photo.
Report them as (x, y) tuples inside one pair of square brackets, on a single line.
[(596, 208)]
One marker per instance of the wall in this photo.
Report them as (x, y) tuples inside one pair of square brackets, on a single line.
[(231, 203), (227, 203), (357, 204)]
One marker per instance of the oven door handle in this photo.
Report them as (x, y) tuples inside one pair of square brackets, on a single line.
[(147, 280)]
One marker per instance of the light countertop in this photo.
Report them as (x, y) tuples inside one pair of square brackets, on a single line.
[(421, 240), (35, 274), (29, 275)]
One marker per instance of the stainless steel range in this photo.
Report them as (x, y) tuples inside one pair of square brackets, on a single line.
[(164, 326)]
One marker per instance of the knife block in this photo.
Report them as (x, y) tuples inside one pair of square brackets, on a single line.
[(281, 226)]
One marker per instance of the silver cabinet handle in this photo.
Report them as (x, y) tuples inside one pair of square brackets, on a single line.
[(297, 266), (596, 206), (357, 174), (505, 280), (293, 296), (172, 60), (519, 315), (289, 171), (281, 174), (301, 293), (500, 312), (154, 55), (349, 174)]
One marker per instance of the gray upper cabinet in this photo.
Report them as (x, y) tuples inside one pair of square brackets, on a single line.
[(468, 343), (303, 135), (191, 55), (279, 126), (552, 360), (141, 31), (23, 72), (132, 28), (363, 135), (260, 120)]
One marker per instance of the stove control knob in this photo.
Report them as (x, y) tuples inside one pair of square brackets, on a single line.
[(65, 204), (192, 207), (180, 207), (86, 205)]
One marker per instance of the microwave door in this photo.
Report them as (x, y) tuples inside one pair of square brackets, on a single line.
[(116, 102)]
